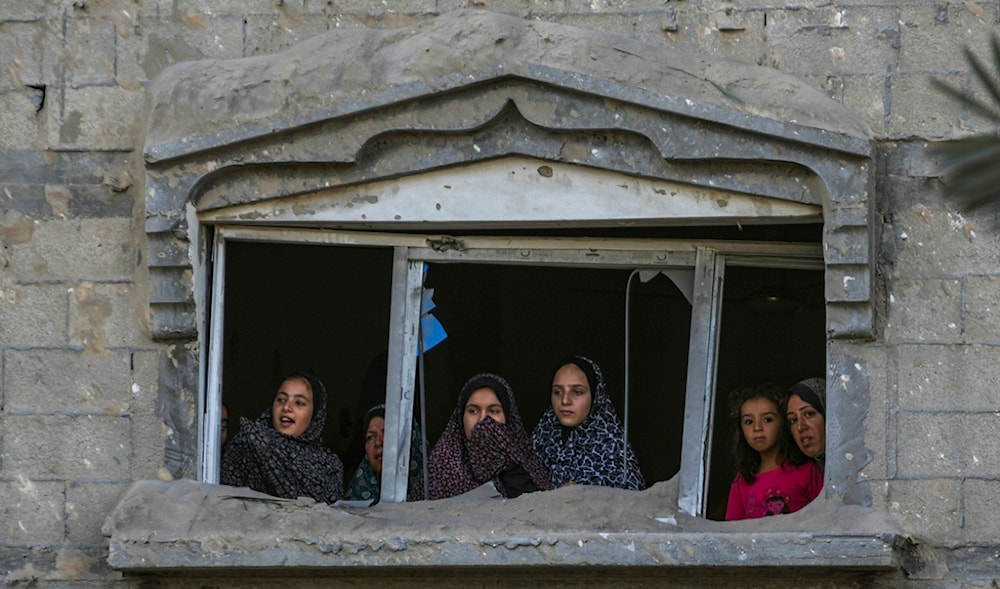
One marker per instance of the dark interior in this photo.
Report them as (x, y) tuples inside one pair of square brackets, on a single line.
[(325, 309)]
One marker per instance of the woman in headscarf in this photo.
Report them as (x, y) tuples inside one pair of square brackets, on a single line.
[(279, 453), (485, 440), (805, 411), (367, 481), (579, 437)]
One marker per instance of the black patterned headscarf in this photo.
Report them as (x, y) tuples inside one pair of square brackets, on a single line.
[(594, 452), (498, 452), (266, 460)]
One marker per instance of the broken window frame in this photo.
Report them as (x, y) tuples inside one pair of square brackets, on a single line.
[(708, 259)]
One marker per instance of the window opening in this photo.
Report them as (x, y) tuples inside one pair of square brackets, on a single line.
[(519, 321), (772, 330), (290, 301)]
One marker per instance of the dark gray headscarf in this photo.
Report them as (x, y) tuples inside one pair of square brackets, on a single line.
[(266, 460)]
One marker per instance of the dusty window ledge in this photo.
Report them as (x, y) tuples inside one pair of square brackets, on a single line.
[(159, 526)]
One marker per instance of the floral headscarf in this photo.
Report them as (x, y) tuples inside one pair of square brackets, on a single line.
[(496, 451)]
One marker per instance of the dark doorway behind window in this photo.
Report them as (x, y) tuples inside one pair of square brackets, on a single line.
[(325, 309), (772, 331)]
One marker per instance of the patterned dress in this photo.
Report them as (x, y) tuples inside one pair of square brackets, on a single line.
[(594, 452), (266, 460), (498, 452)]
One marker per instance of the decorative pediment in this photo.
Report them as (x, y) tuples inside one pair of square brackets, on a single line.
[(471, 89)]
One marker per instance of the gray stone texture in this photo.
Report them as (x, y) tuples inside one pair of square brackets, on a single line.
[(33, 314), (925, 310), (943, 444), (982, 303), (103, 315), (981, 499), (32, 512), (931, 508), (74, 447), (86, 384), (87, 506), (83, 249), (936, 377), (89, 403)]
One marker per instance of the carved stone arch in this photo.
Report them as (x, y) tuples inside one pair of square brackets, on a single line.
[(348, 107)]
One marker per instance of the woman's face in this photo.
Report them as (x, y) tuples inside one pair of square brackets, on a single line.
[(292, 409), (482, 403), (571, 395), (808, 426), (374, 438)]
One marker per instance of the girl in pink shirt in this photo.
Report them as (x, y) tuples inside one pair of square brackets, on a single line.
[(772, 477)]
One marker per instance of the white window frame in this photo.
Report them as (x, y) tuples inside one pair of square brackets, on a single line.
[(707, 258)]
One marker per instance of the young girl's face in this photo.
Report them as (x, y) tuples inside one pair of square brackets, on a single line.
[(292, 408), (761, 423)]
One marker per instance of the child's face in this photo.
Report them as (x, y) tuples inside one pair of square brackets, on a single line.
[(761, 424)]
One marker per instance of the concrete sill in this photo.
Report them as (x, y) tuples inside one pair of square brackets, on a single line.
[(187, 527)]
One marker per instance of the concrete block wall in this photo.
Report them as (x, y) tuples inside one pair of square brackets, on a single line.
[(83, 409)]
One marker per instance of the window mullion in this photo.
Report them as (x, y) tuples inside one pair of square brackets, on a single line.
[(212, 410), (699, 401), (404, 333)]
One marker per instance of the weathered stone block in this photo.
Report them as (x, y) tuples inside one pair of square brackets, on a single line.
[(87, 505), (30, 166), (86, 565), (103, 315), (982, 503), (84, 384), (924, 310), (847, 283), (20, 56), (858, 389), (32, 512), (18, 110), (26, 565), (931, 509), (188, 10), (147, 449), (865, 94), (33, 314), (932, 242), (914, 159), (919, 110), (928, 35), (699, 32), (83, 249), (947, 377), (938, 444), (93, 60), (96, 117), (60, 201), (26, 199), (267, 33), (85, 447), (825, 40), (982, 303), (26, 10)]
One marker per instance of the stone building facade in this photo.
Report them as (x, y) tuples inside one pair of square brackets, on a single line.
[(143, 143)]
